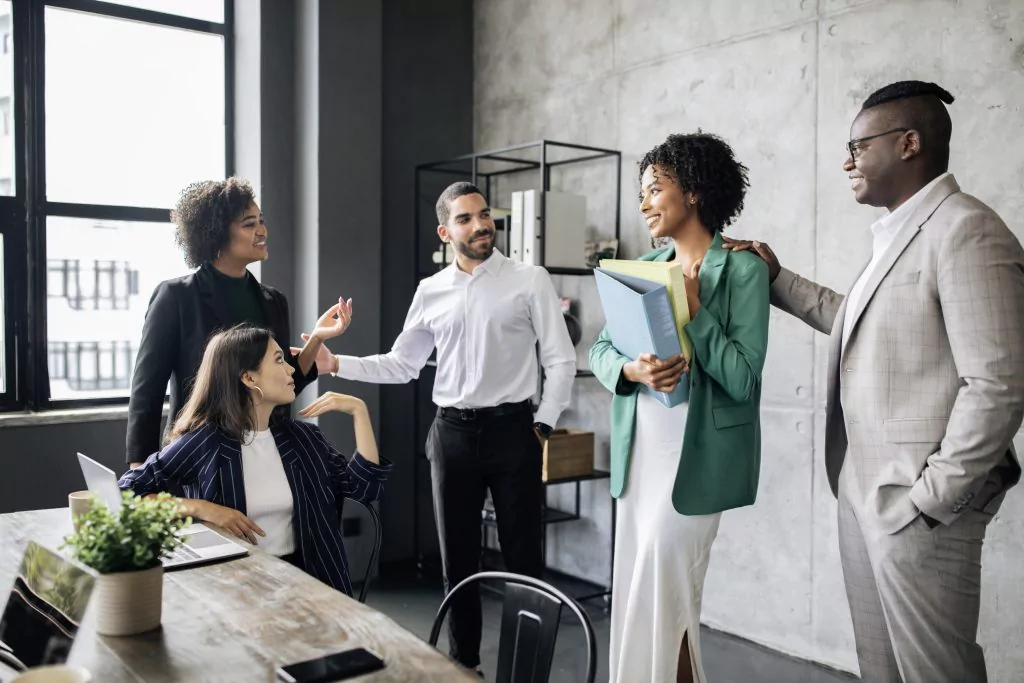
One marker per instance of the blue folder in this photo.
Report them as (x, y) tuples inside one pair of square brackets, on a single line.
[(639, 318)]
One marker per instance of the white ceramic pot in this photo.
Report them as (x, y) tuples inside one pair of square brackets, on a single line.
[(127, 603)]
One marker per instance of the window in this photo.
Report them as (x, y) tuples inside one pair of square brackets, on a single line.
[(100, 277), (127, 124), (6, 99)]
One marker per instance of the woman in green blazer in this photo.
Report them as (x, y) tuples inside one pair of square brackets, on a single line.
[(674, 470)]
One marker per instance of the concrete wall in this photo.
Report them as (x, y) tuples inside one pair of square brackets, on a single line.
[(781, 80)]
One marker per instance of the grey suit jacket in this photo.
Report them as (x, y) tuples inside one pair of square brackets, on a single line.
[(925, 398)]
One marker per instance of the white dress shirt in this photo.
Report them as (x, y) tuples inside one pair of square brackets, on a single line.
[(885, 231), (485, 327), (268, 497)]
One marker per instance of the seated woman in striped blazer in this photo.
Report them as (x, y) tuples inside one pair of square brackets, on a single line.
[(281, 481)]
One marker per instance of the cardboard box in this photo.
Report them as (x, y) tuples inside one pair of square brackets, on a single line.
[(568, 453)]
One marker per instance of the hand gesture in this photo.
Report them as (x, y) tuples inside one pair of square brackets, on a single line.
[(333, 401), (759, 248), (231, 520), (692, 282), (658, 374), (334, 321), (326, 362)]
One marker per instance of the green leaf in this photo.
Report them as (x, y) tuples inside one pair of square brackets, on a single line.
[(133, 538)]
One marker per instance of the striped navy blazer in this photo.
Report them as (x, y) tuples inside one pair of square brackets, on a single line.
[(206, 464)]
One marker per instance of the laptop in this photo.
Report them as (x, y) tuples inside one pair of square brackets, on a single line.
[(200, 543), (44, 609)]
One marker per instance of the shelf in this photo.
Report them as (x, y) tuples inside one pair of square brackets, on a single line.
[(596, 474), (571, 271), (579, 589), (551, 516)]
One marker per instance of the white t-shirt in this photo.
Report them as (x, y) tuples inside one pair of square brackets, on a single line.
[(268, 497)]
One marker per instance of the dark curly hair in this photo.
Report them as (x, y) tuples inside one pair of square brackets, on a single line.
[(203, 215), (703, 164)]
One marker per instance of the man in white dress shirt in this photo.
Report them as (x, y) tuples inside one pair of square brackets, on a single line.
[(925, 391), (486, 316)]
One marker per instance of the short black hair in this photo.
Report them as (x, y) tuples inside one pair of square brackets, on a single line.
[(203, 215), (705, 165), (450, 194), (921, 106)]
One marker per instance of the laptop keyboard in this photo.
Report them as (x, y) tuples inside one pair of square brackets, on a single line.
[(182, 554)]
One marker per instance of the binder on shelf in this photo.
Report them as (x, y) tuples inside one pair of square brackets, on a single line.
[(531, 229), (640, 320), (663, 273), (515, 234)]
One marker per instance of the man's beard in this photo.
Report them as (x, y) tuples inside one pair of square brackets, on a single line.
[(479, 251)]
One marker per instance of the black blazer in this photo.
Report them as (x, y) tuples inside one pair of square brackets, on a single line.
[(183, 314)]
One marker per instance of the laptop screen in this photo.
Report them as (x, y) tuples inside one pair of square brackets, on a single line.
[(44, 609)]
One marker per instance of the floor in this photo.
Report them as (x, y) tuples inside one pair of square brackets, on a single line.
[(412, 600)]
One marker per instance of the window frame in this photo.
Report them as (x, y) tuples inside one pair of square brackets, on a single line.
[(23, 216)]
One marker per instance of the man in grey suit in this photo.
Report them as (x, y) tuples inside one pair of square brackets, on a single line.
[(925, 391)]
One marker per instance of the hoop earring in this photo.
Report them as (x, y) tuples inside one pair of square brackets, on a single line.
[(262, 397)]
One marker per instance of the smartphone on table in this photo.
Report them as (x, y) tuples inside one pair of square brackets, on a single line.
[(340, 666)]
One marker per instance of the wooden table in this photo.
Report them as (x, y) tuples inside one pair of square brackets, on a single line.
[(232, 621)]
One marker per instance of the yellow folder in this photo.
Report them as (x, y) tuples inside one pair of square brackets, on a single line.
[(668, 274)]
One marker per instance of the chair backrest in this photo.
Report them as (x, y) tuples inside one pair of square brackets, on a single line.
[(530, 616), (371, 563)]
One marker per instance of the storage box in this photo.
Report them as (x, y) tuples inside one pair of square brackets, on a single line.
[(568, 453)]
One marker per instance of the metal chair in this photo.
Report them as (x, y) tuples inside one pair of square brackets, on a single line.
[(376, 546), (529, 627)]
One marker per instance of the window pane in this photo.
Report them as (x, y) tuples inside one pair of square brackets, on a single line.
[(100, 276), (134, 112), (6, 99), (208, 10)]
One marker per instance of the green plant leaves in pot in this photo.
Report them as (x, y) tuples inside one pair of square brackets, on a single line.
[(133, 538)]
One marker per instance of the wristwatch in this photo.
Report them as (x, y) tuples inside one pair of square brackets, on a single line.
[(543, 429)]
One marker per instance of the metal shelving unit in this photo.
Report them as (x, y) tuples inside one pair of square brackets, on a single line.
[(484, 169)]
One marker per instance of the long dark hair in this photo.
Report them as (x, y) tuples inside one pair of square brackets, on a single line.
[(219, 397)]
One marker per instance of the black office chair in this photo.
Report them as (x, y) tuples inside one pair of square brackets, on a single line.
[(529, 627), (376, 546)]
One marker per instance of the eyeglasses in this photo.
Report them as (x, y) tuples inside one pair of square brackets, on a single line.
[(853, 146)]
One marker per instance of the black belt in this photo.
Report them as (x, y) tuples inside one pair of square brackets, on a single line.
[(469, 414)]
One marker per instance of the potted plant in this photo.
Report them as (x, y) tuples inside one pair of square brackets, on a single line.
[(125, 547)]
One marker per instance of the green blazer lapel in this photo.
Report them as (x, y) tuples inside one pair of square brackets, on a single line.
[(712, 268)]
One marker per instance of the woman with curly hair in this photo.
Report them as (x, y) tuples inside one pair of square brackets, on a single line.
[(220, 229), (674, 470)]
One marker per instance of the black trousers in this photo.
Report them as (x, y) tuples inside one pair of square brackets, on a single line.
[(467, 457)]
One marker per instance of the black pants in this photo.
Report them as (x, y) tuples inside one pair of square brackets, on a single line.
[(467, 457)]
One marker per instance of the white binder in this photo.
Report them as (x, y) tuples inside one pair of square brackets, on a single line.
[(515, 237)]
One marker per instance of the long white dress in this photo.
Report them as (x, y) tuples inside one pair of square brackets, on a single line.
[(661, 557)]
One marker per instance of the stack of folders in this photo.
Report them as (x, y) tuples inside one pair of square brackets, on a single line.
[(645, 309)]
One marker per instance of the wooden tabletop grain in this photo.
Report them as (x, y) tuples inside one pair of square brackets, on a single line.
[(232, 621)]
